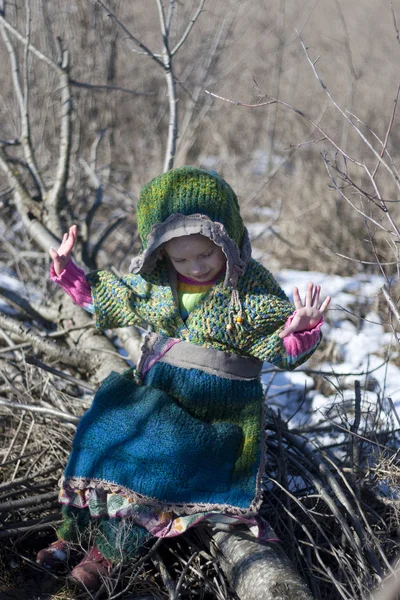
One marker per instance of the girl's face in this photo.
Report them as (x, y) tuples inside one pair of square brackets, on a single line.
[(195, 256)]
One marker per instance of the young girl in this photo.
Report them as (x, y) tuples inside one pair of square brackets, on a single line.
[(178, 440)]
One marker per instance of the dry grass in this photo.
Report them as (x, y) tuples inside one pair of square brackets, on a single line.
[(335, 508)]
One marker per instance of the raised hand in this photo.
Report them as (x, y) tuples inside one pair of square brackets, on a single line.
[(309, 314), (62, 256)]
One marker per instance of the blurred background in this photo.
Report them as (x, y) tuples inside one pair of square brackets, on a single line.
[(271, 155)]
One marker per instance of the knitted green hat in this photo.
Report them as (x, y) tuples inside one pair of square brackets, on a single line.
[(189, 191), (186, 201)]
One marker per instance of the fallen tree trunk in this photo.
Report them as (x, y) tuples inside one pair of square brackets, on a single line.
[(257, 570)]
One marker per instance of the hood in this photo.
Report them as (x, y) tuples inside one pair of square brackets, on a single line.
[(185, 201)]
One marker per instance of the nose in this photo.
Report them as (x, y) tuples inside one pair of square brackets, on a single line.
[(196, 268)]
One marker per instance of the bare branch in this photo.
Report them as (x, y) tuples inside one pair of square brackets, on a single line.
[(40, 409), (171, 9), (388, 131), (395, 22), (391, 303), (145, 49), (294, 109), (27, 209), (107, 88), (188, 28), (342, 112), (52, 349), (32, 49), (57, 195), (171, 93), (22, 99), (173, 118)]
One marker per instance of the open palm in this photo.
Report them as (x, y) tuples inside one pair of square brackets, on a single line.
[(309, 314), (62, 256)]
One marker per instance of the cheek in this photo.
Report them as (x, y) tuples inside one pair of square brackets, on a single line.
[(221, 258)]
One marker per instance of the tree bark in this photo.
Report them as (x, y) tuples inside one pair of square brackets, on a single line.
[(257, 570)]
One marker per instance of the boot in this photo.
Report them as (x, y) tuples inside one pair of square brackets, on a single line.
[(59, 556), (90, 573)]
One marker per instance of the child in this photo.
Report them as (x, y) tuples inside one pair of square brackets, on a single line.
[(179, 439)]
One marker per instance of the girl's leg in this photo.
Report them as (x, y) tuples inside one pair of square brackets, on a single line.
[(120, 540), (116, 541), (75, 526), (67, 549)]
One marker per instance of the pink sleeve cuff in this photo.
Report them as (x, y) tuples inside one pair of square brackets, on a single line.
[(301, 342), (73, 281)]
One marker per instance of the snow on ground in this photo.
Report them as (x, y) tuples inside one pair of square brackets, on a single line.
[(9, 281), (361, 349)]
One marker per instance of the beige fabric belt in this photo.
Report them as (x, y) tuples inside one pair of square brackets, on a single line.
[(215, 362)]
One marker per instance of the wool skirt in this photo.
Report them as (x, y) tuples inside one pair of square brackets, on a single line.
[(184, 440)]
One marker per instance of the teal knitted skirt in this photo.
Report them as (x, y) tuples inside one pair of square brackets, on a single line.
[(185, 440)]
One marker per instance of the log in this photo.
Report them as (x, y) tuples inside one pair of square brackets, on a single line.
[(257, 570)]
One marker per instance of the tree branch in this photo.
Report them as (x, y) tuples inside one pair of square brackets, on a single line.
[(145, 49), (22, 98), (107, 88), (342, 112), (57, 195), (32, 49), (188, 28)]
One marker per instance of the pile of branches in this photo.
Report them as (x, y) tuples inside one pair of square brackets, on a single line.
[(325, 504)]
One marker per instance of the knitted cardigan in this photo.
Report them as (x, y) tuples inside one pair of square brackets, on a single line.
[(148, 300)]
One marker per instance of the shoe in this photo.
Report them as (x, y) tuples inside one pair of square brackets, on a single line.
[(58, 556), (89, 574)]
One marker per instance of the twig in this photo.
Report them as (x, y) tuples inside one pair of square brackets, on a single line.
[(188, 28), (5, 457), (165, 576), (295, 110), (183, 575), (42, 526), (27, 502), (107, 88), (31, 360), (354, 441), (145, 49), (24, 480), (40, 409), (390, 302), (28, 435), (388, 131)]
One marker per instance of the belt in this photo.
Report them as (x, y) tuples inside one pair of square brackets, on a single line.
[(216, 362)]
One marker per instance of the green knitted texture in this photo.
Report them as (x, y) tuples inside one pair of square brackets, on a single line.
[(75, 526), (148, 300), (119, 540), (189, 191)]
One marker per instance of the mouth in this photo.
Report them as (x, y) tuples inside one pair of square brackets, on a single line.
[(200, 277)]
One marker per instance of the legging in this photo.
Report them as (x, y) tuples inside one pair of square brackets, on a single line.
[(118, 539)]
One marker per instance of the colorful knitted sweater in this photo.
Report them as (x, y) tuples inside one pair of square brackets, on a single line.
[(148, 301)]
